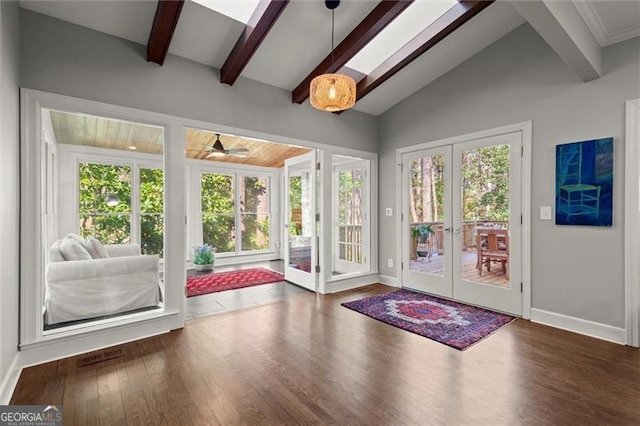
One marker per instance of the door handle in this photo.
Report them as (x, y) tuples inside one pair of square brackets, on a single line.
[(456, 230), (448, 229)]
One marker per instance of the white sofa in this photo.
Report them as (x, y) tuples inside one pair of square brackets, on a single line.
[(96, 287)]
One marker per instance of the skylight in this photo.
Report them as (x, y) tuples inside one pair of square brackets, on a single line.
[(415, 18), (240, 10)]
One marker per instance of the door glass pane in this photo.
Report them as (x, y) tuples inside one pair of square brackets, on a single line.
[(218, 211), (301, 224), (485, 214), (349, 215), (426, 214)]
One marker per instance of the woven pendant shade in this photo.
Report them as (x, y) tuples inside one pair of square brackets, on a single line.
[(332, 92)]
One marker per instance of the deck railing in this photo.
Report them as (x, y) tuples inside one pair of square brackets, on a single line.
[(436, 241)]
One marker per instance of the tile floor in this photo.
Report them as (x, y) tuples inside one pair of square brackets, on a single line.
[(225, 301)]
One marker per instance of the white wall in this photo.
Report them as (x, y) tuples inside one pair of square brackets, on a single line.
[(9, 193), (577, 271), (64, 58)]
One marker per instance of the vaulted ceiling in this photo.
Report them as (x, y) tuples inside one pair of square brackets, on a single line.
[(286, 43)]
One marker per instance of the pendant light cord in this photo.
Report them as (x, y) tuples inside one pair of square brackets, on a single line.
[(332, 27)]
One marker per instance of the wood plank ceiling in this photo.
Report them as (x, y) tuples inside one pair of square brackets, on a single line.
[(76, 129)]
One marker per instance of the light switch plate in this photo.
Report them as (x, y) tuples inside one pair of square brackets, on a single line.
[(545, 213), (389, 211)]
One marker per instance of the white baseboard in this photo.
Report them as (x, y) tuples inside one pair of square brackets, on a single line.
[(9, 383), (578, 325), (388, 280), (350, 283)]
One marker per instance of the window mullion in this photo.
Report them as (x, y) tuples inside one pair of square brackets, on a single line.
[(135, 204), (237, 213)]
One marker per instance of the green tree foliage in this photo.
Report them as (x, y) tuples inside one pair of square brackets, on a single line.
[(254, 208), (427, 189), (109, 224), (485, 183), (218, 211), (295, 205), (151, 210), (112, 224)]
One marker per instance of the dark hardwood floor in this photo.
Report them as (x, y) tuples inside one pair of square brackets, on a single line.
[(306, 359)]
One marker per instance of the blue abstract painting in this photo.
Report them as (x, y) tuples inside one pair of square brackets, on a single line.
[(584, 183)]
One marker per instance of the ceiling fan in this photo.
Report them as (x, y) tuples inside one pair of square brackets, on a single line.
[(217, 150)]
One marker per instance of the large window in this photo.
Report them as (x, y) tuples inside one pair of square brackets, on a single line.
[(236, 213), (109, 211)]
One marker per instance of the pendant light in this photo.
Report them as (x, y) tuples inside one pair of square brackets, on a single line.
[(111, 200), (332, 92)]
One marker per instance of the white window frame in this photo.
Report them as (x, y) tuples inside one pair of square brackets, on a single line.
[(35, 343), (111, 158)]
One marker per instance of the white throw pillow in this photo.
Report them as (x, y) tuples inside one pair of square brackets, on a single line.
[(95, 248), (72, 249), (54, 252), (76, 237)]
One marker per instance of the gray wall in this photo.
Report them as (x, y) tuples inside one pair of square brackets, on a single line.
[(64, 58), (9, 185), (577, 271)]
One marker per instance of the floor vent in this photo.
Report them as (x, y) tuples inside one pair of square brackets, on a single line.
[(362, 289), (101, 356)]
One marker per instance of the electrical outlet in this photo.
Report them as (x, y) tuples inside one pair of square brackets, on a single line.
[(389, 211), (277, 244), (390, 263)]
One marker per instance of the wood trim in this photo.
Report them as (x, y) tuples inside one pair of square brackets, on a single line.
[(453, 19), (381, 16), (256, 30), (164, 24)]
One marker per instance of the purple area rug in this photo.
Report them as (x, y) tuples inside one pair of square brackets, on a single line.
[(454, 324)]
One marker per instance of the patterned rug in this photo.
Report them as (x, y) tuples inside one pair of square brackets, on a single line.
[(198, 285), (454, 324)]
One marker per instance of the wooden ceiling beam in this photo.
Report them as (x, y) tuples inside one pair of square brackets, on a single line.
[(453, 19), (381, 16), (164, 24), (256, 30)]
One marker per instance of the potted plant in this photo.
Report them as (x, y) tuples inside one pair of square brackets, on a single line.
[(204, 257), (421, 234)]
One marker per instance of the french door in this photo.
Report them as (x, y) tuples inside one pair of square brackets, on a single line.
[(301, 236), (461, 221)]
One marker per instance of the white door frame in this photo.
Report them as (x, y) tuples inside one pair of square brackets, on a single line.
[(632, 223), (525, 128)]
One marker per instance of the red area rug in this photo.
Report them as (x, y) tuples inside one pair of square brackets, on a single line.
[(198, 285), (451, 323)]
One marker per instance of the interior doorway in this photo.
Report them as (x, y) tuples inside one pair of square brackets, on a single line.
[(461, 222)]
